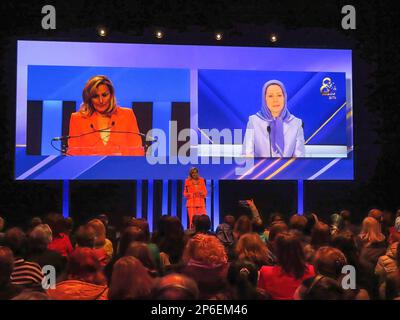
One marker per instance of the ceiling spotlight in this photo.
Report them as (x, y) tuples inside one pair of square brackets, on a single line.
[(273, 38), (218, 36), (102, 32), (159, 34)]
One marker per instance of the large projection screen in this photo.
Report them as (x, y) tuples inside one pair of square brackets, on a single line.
[(202, 106)]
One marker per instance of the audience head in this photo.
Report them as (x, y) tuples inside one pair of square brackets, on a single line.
[(83, 265), (85, 236), (387, 218), (276, 217), (290, 255), (176, 287), (130, 280), (130, 235), (312, 219), (202, 224), (6, 265), (143, 225), (35, 221), (323, 288), (243, 225), (371, 231), (40, 237), (376, 214), (250, 247), (297, 222), (230, 220), (243, 276), (329, 262), (320, 235), (140, 251), (276, 229), (346, 243), (206, 249), (68, 225), (100, 232), (103, 218), (56, 223), (172, 241), (15, 239), (346, 216)]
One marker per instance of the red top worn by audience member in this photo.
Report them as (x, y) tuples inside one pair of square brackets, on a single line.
[(280, 285), (61, 244)]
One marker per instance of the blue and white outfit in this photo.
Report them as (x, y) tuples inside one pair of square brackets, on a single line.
[(286, 131)]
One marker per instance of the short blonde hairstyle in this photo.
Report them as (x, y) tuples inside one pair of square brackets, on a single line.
[(89, 91), (205, 248)]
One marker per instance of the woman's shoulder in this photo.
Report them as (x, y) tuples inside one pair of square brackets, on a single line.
[(295, 121), (123, 110)]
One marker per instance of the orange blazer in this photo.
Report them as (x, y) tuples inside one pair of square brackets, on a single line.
[(195, 195), (123, 144)]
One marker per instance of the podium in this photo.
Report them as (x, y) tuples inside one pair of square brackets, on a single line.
[(112, 150)]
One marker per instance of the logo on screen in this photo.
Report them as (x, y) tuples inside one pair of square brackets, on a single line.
[(328, 88)]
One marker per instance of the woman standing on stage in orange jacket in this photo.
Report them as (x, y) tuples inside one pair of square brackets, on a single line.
[(195, 193)]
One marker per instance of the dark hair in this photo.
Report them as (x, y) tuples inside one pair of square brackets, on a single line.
[(141, 251), (15, 239), (84, 265), (229, 219), (329, 262), (323, 288), (346, 215), (85, 236), (6, 265), (276, 217), (242, 277), (345, 242), (203, 223), (143, 225), (320, 235), (243, 225), (130, 280), (176, 287), (56, 223), (311, 221), (171, 240), (297, 222), (290, 254), (275, 229), (130, 235), (258, 226)]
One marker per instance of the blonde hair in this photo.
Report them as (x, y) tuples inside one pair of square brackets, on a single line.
[(205, 248), (371, 231), (89, 91), (100, 232)]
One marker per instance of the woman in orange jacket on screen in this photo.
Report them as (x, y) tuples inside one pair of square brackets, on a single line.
[(195, 193), (100, 127)]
